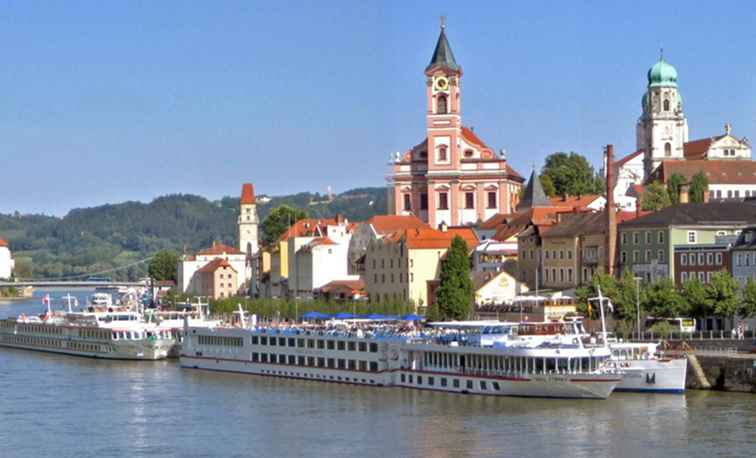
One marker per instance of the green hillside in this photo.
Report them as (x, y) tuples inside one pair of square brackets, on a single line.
[(96, 239)]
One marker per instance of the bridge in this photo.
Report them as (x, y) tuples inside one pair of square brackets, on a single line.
[(67, 284)]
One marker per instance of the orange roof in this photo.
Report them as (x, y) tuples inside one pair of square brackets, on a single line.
[(470, 136), (494, 221), (384, 224), (733, 171), (628, 158), (427, 238), (247, 194), (355, 286), (219, 249), (3, 243), (578, 202), (321, 241), (216, 264), (697, 149), (307, 227), (536, 216)]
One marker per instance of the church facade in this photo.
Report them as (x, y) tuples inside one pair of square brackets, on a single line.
[(452, 177)]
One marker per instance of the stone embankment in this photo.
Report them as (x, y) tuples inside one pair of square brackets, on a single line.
[(723, 365)]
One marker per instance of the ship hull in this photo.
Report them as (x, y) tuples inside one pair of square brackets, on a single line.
[(654, 376)]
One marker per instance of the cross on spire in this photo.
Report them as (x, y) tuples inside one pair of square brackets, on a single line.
[(443, 22)]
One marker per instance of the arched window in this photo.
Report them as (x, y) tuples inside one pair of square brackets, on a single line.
[(442, 157), (441, 105), (668, 149), (666, 104)]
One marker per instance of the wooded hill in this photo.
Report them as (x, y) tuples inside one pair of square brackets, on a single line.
[(90, 240)]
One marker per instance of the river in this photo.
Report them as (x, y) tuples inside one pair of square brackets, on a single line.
[(63, 406)]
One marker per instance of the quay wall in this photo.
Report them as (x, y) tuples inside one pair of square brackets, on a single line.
[(724, 371)]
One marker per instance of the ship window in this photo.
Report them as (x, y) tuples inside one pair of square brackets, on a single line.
[(431, 381), (331, 363), (341, 345), (292, 342), (301, 360), (496, 386), (410, 379), (443, 381), (469, 385), (273, 341), (351, 346), (352, 364), (362, 346), (363, 365), (404, 378), (255, 357), (342, 364), (321, 362), (264, 357), (483, 385), (282, 341), (373, 348), (331, 345), (419, 379), (373, 366), (300, 343), (455, 383), (321, 344)]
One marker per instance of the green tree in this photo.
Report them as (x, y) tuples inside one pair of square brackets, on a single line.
[(455, 293), (747, 307), (655, 197), (569, 174), (694, 293), (609, 289), (278, 221), (164, 265), (722, 294), (674, 185), (628, 295), (699, 185), (547, 185), (663, 300)]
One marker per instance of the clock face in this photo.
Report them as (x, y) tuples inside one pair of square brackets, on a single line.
[(442, 84)]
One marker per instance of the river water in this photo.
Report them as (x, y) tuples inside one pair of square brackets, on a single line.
[(63, 406)]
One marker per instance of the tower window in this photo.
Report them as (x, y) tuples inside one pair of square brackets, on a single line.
[(443, 201), (469, 200), (442, 155), (407, 203), (668, 149), (666, 104), (492, 199), (423, 201), (441, 105)]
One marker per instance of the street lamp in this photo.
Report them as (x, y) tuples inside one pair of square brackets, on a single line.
[(637, 304)]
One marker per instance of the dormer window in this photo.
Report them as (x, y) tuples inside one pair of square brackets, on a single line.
[(441, 105), (468, 153)]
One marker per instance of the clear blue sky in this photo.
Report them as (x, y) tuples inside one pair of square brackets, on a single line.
[(104, 102)]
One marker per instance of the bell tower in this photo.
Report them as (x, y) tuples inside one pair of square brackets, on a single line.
[(662, 128), (248, 221), (443, 128)]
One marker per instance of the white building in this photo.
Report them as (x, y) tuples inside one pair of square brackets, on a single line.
[(6, 260), (315, 261), (189, 265), (492, 288)]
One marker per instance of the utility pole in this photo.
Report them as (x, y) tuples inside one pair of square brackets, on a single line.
[(637, 304)]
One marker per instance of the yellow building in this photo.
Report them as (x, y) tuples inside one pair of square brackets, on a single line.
[(218, 279), (404, 266)]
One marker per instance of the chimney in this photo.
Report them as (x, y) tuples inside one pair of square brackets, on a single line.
[(611, 211), (684, 193), (443, 227)]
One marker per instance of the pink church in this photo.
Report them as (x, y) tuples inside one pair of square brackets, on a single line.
[(452, 177)]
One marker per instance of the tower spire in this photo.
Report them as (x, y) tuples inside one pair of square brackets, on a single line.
[(443, 57)]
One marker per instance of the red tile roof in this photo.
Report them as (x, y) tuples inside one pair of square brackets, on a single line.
[(384, 224), (628, 158), (535, 216), (248, 194), (717, 171), (307, 227), (574, 202), (321, 241), (219, 249), (495, 221), (470, 137), (697, 149), (355, 286), (427, 238), (216, 264)]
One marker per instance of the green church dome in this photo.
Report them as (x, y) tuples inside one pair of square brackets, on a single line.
[(662, 74)]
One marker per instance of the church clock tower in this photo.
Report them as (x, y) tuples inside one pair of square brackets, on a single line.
[(662, 129)]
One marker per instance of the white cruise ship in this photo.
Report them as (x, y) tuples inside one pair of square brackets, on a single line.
[(647, 370), (445, 360), (101, 331)]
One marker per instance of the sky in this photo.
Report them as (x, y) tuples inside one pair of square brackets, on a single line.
[(104, 102)]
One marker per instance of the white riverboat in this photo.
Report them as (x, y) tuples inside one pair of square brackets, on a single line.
[(441, 360), (100, 331), (646, 369)]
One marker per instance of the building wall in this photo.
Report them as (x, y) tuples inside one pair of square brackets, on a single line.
[(560, 262), (387, 271), (645, 251), (6, 263), (743, 262), (425, 265), (502, 289), (529, 260), (591, 257), (700, 263), (719, 191)]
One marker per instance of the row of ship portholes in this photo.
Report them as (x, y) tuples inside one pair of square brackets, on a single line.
[(329, 378)]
